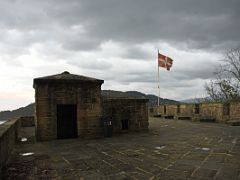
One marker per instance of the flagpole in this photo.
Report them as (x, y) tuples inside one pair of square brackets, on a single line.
[(158, 84)]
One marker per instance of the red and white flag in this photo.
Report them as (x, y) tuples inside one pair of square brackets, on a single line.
[(164, 61)]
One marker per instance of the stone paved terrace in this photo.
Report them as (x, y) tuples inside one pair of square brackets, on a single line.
[(171, 150)]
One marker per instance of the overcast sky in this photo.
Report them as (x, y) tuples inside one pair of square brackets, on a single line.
[(114, 40)]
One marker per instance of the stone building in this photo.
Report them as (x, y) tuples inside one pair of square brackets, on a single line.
[(69, 106)]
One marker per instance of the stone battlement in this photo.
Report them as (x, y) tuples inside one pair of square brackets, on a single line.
[(208, 112)]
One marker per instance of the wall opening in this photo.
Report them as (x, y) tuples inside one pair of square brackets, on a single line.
[(165, 109), (178, 109), (197, 108), (125, 124), (66, 121), (226, 109)]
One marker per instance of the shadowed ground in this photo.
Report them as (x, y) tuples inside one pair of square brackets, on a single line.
[(171, 150)]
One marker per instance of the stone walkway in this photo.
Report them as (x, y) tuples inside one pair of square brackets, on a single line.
[(171, 150)]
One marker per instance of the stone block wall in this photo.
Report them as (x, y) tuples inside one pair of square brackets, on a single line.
[(170, 110), (87, 97), (27, 121), (133, 110), (234, 111), (151, 111), (220, 112), (212, 111), (185, 111), (159, 110), (8, 137)]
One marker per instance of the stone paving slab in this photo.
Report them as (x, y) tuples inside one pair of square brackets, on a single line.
[(170, 150)]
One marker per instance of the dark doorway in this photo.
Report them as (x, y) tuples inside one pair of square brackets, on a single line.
[(197, 108), (125, 124), (178, 109), (165, 109), (66, 121)]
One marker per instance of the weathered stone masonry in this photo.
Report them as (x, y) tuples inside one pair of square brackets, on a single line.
[(126, 113), (64, 89), (218, 112), (9, 135), (63, 97)]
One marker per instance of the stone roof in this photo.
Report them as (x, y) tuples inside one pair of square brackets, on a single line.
[(66, 77)]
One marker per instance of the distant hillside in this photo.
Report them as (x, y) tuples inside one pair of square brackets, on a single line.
[(135, 94), (23, 111), (29, 110), (196, 100)]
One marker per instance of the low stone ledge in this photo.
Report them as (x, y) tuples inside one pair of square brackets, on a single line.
[(8, 136)]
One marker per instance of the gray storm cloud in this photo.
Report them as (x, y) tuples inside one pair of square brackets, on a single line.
[(117, 41), (202, 24)]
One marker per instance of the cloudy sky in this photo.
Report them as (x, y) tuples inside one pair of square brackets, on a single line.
[(114, 40)]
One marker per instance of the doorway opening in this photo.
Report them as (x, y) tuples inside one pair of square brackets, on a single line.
[(197, 108), (66, 121), (125, 124)]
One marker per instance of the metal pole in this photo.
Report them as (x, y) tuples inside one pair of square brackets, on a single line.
[(158, 85)]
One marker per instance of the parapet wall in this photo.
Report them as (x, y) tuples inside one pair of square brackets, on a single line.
[(8, 136), (126, 113), (217, 112), (235, 110)]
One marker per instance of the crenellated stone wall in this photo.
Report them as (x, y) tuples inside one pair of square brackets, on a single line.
[(217, 112)]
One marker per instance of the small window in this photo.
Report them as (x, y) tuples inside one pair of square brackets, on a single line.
[(226, 109), (197, 108), (125, 124), (151, 110), (165, 109), (178, 109)]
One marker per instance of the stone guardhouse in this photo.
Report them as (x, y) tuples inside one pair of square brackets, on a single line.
[(70, 106)]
